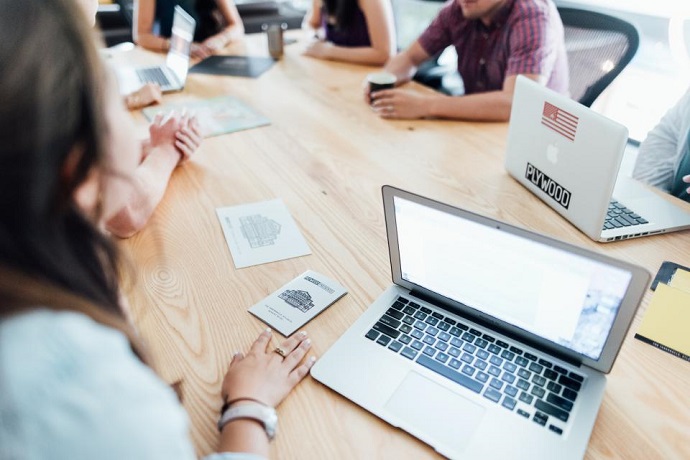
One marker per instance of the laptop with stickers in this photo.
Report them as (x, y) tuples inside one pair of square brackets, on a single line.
[(569, 156)]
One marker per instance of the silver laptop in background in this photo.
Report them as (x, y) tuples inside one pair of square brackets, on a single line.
[(569, 156), (492, 342), (172, 75)]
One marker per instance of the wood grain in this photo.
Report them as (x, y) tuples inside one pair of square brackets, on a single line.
[(326, 154)]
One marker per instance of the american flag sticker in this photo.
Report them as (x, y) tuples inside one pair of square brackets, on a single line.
[(559, 120)]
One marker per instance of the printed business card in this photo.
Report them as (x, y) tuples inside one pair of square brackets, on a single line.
[(296, 303)]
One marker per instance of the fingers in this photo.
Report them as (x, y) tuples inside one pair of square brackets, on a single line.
[(294, 358), (236, 358), (299, 373), (289, 345), (686, 178), (261, 343)]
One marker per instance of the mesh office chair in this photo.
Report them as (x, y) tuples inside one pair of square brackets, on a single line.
[(598, 47)]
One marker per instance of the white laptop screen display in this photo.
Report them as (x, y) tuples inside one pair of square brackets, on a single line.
[(557, 295), (180, 45)]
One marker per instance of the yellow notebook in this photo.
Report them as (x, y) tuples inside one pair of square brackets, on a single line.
[(666, 323)]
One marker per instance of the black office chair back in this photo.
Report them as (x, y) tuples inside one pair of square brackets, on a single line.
[(599, 47)]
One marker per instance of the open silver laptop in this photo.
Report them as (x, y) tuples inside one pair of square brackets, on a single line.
[(492, 342), (172, 75), (569, 156)]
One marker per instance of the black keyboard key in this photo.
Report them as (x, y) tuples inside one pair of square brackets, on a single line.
[(388, 321), (523, 413), (525, 374), (431, 330), (515, 350), (509, 403), (383, 340), (538, 392), (385, 329), (456, 377), (495, 360), (431, 320), (495, 371), (405, 339), (409, 310), (469, 348), (424, 309), (530, 356), (526, 398), (442, 357), (454, 363), (429, 351), (417, 334), (395, 346), (511, 391), (496, 383), (492, 394), (482, 377), (455, 331), (539, 380), (559, 402), (536, 368), (479, 364), (454, 352), (420, 316), (510, 367), (429, 340), (405, 329), (402, 300), (552, 410), (522, 384), (443, 346), (569, 394), (483, 354), (475, 332), (467, 369), (450, 321), (495, 349), (488, 338), (520, 361), (576, 377), (409, 353), (545, 363), (464, 327), (506, 377), (437, 315), (540, 418), (456, 342), (444, 336), (395, 313), (550, 374), (560, 370), (417, 345), (444, 326), (554, 387), (481, 343), (509, 355), (555, 429), (371, 335), (569, 383), (467, 337), (408, 320), (501, 344), (420, 325), (398, 305), (468, 358)]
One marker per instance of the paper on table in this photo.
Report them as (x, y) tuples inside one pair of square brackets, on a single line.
[(297, 302), (667, 321), (681, 280), (262, 232)]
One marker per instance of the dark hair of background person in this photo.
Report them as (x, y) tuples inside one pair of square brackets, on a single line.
[(343, 10), (53, 88)]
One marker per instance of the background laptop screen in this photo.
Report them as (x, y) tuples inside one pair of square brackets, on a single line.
[(559, 296)]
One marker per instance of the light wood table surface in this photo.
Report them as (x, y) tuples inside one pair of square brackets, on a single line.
[(326, 154)]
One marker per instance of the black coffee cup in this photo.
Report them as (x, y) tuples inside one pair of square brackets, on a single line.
[(380, 80)]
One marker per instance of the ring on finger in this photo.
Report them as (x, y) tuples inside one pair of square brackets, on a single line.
[(280, 352)]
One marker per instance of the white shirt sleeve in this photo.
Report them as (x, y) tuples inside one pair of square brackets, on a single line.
[(662, 150), (71, 388)]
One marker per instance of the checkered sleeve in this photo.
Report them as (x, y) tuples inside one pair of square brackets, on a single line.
[(533, 38)]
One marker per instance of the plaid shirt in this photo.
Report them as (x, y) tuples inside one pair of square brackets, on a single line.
[(525, 37)]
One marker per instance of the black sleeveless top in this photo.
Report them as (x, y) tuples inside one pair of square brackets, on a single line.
[(205, 12)]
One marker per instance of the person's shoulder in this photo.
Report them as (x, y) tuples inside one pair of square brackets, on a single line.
[(531, 9)]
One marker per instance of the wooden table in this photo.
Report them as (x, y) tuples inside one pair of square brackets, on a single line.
[(327, 155)]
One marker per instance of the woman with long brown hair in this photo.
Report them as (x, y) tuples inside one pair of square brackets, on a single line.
[(75, 381)]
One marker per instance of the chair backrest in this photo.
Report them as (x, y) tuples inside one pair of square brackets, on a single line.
[(598, 47)]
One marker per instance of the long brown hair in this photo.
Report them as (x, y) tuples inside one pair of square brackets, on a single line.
[(52, 88)]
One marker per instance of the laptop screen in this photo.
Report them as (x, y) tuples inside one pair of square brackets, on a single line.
[(180, 44), (560, 296)]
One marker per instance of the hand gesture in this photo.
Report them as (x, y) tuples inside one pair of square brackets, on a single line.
[(265, 374)]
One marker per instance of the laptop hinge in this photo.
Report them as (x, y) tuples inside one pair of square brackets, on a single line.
[(480, 321)]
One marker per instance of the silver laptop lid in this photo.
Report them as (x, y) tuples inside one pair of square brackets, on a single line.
[(565, 153), (180, 44), (558, 297)]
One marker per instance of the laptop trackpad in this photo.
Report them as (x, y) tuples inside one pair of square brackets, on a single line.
[(439, 414)]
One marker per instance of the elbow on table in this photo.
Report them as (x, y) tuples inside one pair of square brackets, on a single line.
[(127, 222)]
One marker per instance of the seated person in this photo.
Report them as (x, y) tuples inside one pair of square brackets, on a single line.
[(217, 24), (171, 141), (664, 157), (496, 40), (147, 95), (76, 381), (358, 31)]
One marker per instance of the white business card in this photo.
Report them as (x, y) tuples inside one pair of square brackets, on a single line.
[(296, 303)]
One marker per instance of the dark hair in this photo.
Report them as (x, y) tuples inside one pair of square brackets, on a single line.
[(343, 10), (52, 88)]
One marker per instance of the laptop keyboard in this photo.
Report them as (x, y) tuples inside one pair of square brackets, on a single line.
[(153, 75), (618, 216), (519, 381)]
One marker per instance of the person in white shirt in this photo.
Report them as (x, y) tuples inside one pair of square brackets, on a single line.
[(663, 160), (75, 380)]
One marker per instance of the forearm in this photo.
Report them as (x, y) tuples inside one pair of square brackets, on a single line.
[(490, 106), (153, 42), (230, 33), (358, 55), (149, 183), (243, 435)]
